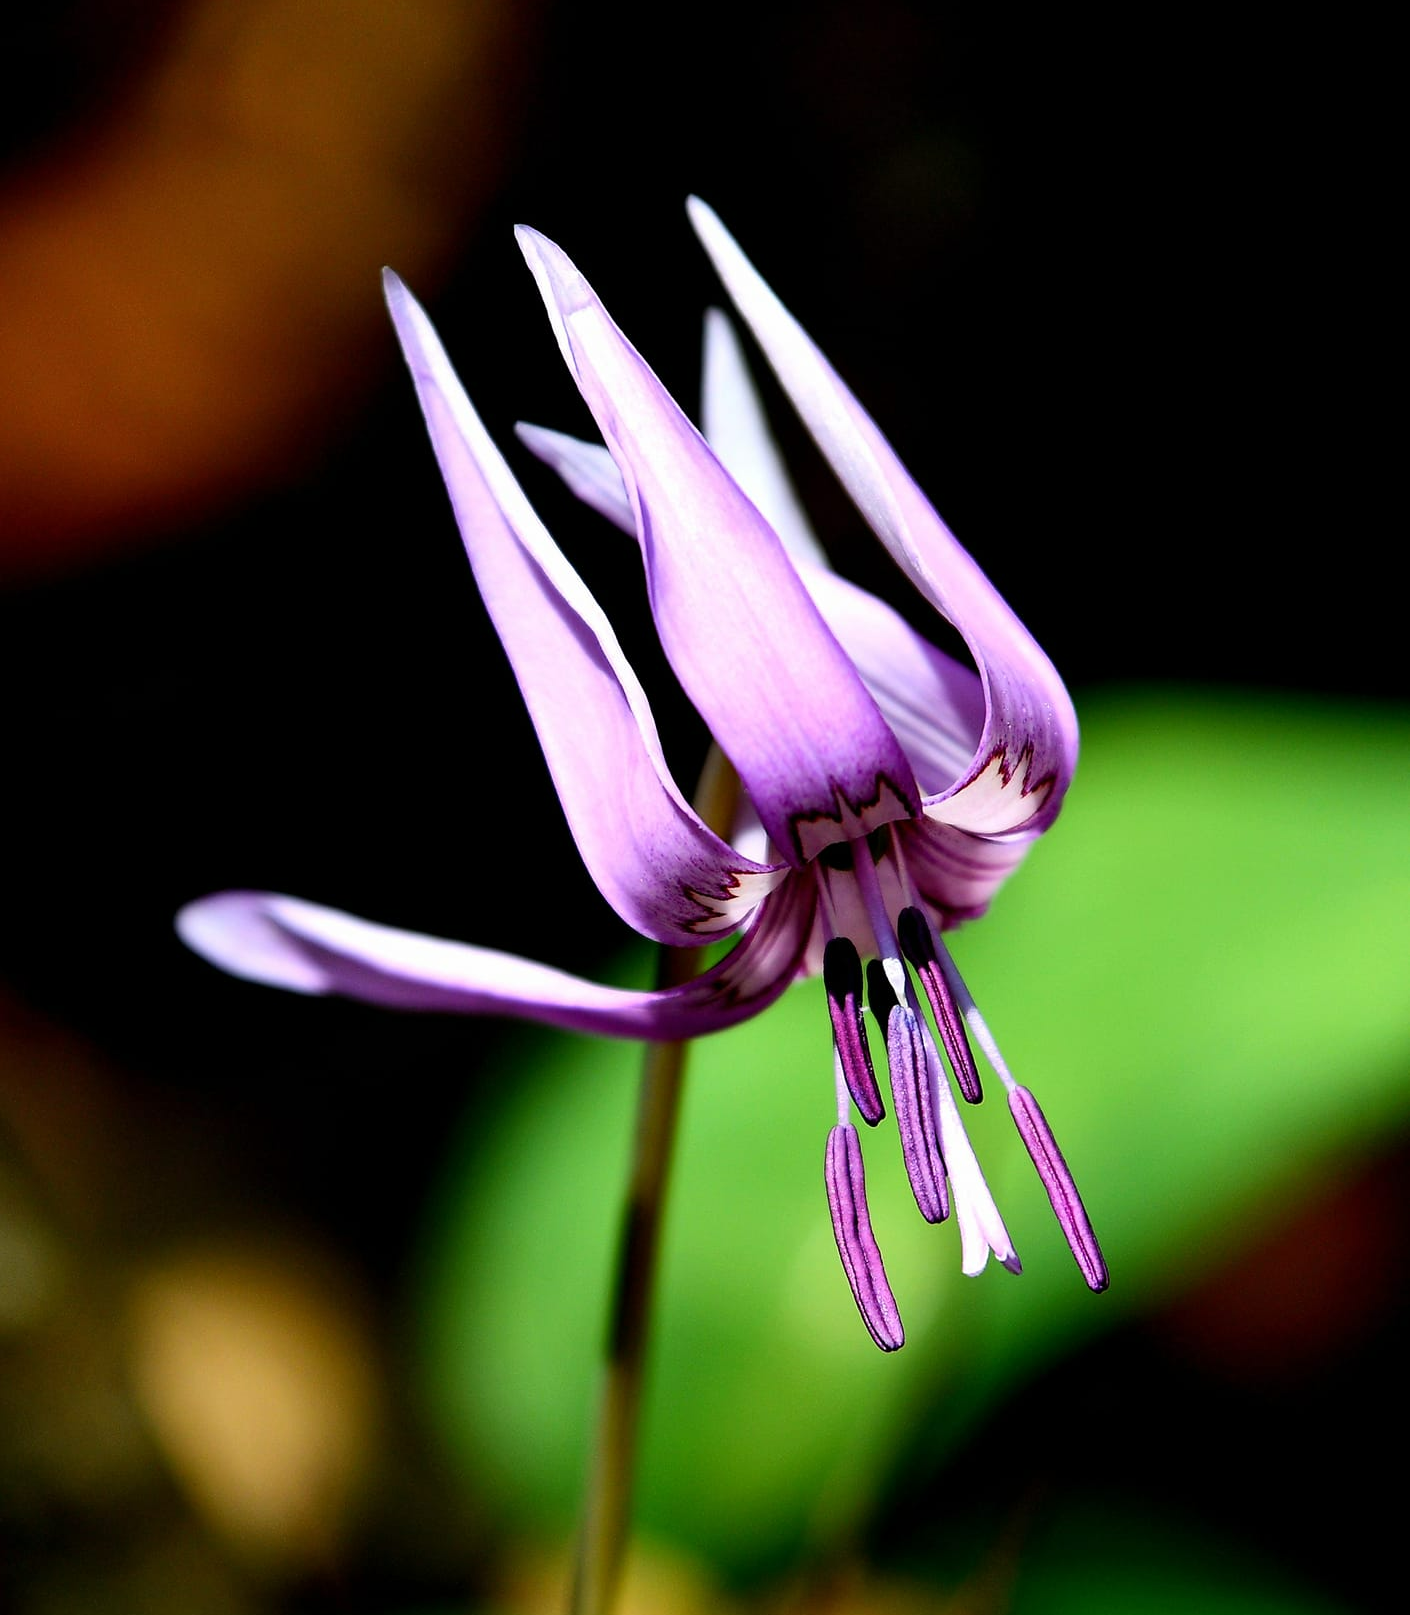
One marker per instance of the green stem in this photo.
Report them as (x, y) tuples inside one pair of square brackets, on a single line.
[(607, 1506)]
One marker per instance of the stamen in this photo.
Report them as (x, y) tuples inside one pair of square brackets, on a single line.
[(918, 945), (856, 1245), (911, 1094), (1067, 1204), (978, 1026), (842, 978)]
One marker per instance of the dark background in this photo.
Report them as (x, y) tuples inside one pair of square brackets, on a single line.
[(1113, 290)]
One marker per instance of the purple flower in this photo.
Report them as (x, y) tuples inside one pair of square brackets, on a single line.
[(888, 791)]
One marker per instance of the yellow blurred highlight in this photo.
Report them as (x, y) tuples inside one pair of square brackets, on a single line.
[(258, 1383), (657, 1581), (191, 294), (654, 1581)]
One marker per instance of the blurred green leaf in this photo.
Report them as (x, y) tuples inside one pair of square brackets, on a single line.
[(1201, 973), (1104, 1559)]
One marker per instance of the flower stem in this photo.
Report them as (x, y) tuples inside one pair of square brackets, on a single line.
[(607, 1506)]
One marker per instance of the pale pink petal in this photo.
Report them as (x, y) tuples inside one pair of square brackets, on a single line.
[(749, 647), (286, 942), (654, 861), (1025, 757)]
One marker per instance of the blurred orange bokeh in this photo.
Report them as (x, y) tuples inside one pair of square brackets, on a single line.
[(190, 287)]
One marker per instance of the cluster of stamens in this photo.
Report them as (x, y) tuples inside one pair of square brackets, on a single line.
[(940, 1162)]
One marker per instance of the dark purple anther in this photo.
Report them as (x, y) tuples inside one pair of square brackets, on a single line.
[(913, 932), (856, 1245), (842, 977), (1067, 1204), (911, 1095)]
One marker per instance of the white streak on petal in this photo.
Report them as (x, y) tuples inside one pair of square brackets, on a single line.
[(1000, 797), (737, 429)]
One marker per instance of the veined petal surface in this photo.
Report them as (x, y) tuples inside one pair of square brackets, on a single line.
[(740, 630), (662, 870), (306, 948), (934, 706), (1026, 755), (958, 873)]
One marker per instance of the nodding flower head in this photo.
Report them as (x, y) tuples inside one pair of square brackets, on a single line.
[(887, 790)]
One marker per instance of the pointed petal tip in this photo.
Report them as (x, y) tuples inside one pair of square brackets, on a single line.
[(710, 230), (561, 283), (544, 258), (538, 439), (238, 933), (717, 327), (701, 215), (397, 295), (536, 246), (420, 343)]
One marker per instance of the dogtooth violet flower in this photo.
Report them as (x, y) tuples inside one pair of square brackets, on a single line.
[(887, 790)]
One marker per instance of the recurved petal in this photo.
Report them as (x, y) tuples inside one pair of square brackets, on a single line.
[(934, 706), (748, 645), (285, 942), (1026, 754), (663, 871)]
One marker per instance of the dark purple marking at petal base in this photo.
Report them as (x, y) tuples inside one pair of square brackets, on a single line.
[(856, 1245), (842, 977), (918, 945), (911, 1096), (1067, 1204)]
